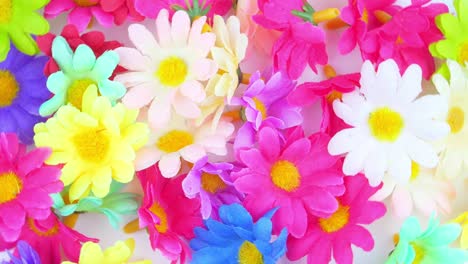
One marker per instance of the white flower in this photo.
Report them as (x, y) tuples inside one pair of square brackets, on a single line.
[(390, 127)]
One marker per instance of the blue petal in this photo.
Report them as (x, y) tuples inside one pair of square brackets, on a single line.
[(443, 235), (279, 246), (62, 54), (214, 255), (209, 237), (106, 64), (410, 229), (236, 215), (112, 90), (84, 59), (244, 234), (220, 228), (262, 229)]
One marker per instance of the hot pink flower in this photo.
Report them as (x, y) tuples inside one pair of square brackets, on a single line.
[(169, 216), (151, 8), (121, 9), (25, 185), (277, 14), (298, 176), (343, 228)]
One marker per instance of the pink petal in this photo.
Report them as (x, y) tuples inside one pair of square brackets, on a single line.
[(159, 112), (255, 161), (360, 237), (80, 17), (147, 157), (33, 160), (299, 248), (402, 203), (342, 252), (143, 40), (180, 28), (163, 29), (186, 107), (269, 143), (170, 165), (204, 69), (105, 19), (132, 59), (55, 7), (299, 224), (193, 90), (12, 214), (139, 96), (192, 153)]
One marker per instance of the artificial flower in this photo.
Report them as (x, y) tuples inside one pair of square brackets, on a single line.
[(51, 239), (150, 8), (212, 183), (121, 9), (25, 254), (23, 90), (25, 185), (120, 252), (79, 70), (167, 214), (298, 176), (18, 20), (342, 229), (81, 12), (389, 126), (236, 238), (279, 15), (167, 73), (184, 139), (423, 192), (93, 39), (96, 145), (462, 219), (454, 155), (265, 104), (427, 246)]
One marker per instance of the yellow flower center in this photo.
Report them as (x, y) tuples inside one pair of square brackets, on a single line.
[(92, 145), (76, 90), (334, 95), (8, 86), (285, 175), (158, 211), (463, 54), (385, 124), (52, 231), (174, 140), (260, 106), (415, 169), (86, 3), (10, 186), (336, 221), (365, 16), (6, 10), (212, 183), (249, 254), (419, 256), (172, 71), (456, 119)]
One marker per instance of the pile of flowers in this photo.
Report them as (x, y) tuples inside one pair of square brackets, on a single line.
[(249, 138)]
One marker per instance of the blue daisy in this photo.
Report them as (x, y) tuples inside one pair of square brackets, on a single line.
[(25, 254)]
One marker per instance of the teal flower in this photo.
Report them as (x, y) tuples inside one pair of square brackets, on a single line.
[(430, 246), (78, 71)]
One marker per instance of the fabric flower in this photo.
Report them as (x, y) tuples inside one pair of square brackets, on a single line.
[(91, 253), (167, 73), (23, 90), (342, 229), (454, 156), (279, 15), (389, 126), (167, 214), (237, 239), (182, 138), (25, 254), (18, 21), (25, 185), (93, 39), (195, 8), (265, 104), (51, 238), (298, 176), (121, 10), (427, 246), (79, 70), (81, 13), (462, 219), (213, 184), (96, 145)]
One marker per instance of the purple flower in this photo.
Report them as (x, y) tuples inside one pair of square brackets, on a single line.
[(212, 183), (27, 255), (266, 104), (22, 89)]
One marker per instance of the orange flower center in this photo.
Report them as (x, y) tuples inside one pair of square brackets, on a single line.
[(158, 211), (92, 145), (336, 221), (212, 183), (260, 106), (50, 232), (86, 3), (285, 175), (8, 86), (6, 11), (10, 186), (174, 140)]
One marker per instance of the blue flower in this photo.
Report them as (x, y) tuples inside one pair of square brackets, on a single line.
[(27, 255), (237, 239)]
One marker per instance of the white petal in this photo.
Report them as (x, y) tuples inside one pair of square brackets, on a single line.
[(399, 167), (143, 40), (159, 112), (186, 107), (180, 28), (430, 129), (193, 90), (375, 166), (146, 157), (132, 59), (422, 153), (204, 69), (354, 161), (410, 86), (139, 96), (192, 153), (346, 113), (385, 191), (345, 141), (170, 165), (163, 29), (428, 107), (402, 202), (368, 77)]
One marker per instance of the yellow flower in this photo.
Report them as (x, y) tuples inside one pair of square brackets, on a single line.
[(91, 253), (95, 145), (463, 221)]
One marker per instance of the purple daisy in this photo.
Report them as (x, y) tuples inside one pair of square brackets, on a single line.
[(24, 254), (23, 89), (266, 104), (212, 183)]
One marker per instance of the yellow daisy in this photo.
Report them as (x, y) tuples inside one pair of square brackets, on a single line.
[(95, 145)]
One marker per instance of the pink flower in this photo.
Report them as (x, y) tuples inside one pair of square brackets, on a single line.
[(343, 228), (121, 9), (296, 175), (151, 8), (277, 14), (25, 185), (168, 215)]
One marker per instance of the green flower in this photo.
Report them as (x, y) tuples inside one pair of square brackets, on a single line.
[(18, 20), (77, 72), (430, 246)]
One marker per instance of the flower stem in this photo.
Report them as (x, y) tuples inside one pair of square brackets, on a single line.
[(336, 23), (325, 15), (70, 220), (132, 227)]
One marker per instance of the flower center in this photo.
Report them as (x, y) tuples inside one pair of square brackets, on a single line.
[(415, 169), (76, 90), (385, 124), (456, 119), (86, 3), (365, 16), (212, 183), (92, 145), (10, 186), (285, 175), (260, 106), (249, 254), (463, 54), (8, 86), (6, 11), (50, 232), (419, 254), (334, 95), (174, 140), (158, 211), (172, 71), (336, 221)]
